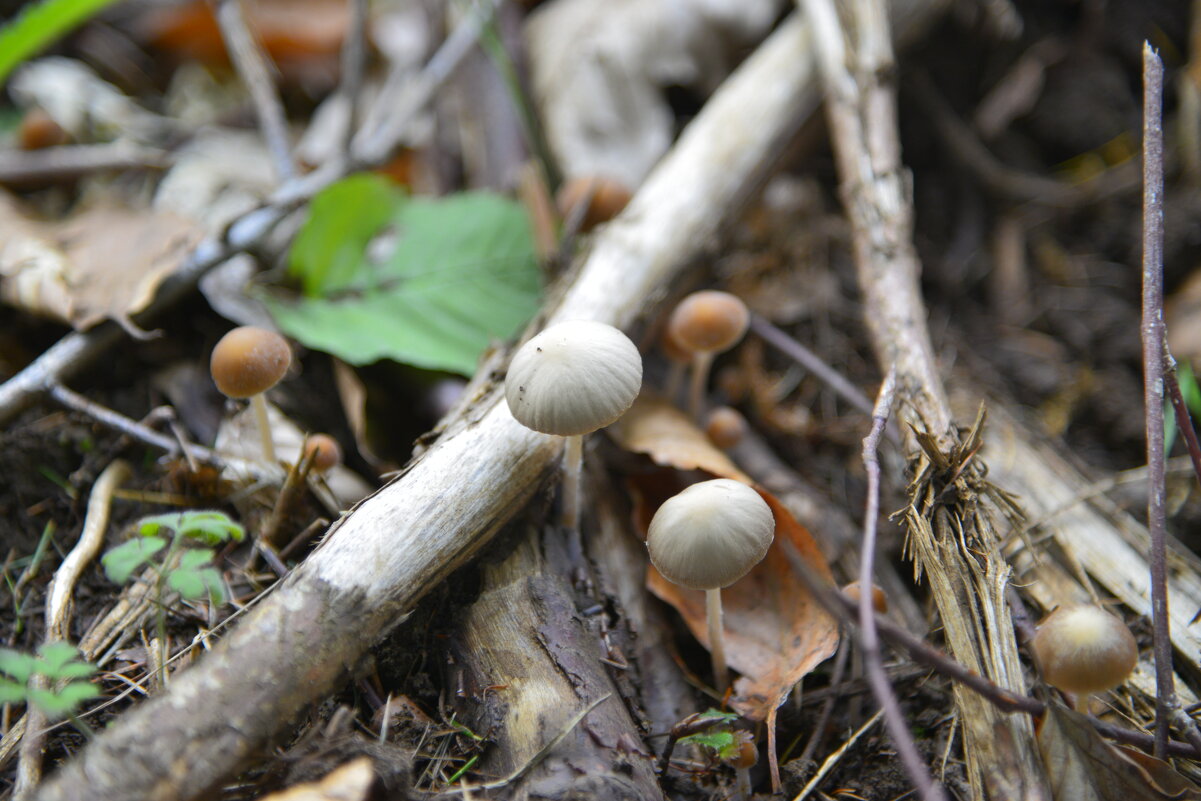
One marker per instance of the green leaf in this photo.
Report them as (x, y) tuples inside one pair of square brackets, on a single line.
[(717, 740), (188, 583), (66, 700), (343, 220), (120, 562), (213, 583), (460, 274), (18, 665), (11, 692), (39, 25), (210, 527), (54, 657)]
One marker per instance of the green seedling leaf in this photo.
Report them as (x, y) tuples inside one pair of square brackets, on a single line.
[(716, 740), (187, 583), (209, 527), (11, 692), (19, 666), (343, 220), (120, 562), (64, 701), (433, 284), (195, 577), (60, 660), (41, 24), (213, 583)]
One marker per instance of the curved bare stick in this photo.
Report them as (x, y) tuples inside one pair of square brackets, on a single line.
[(394, 546)]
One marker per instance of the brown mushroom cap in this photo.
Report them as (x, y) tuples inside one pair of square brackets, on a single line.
[(725, 427), (248, 361), (709, 321), (879, 599), (606, 198), (573, 378), (1084, 649), (711, 534), (325, 451)]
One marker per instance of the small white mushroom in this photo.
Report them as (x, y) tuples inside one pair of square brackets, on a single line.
[(707, 537), (570, 380)]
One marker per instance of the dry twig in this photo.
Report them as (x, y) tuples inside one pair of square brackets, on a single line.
[(968, 586)]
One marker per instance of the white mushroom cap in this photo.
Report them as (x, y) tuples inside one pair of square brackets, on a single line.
[(573, 378), (711, 534)]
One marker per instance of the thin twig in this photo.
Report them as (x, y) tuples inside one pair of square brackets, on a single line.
[(1153, 344), (251, 63), (70, 161), (58, 612), (827, 710), (1184, 420), (354, 59), (811, 362), (836, 757), (869, 640), (67, 397), (537, 758)]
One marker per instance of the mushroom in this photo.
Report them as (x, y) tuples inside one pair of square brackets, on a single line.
[(570, 380), (324, 452), (1082, 649), (707, 537), (706, 323), (725, 427), (879, 599), (246, 363)]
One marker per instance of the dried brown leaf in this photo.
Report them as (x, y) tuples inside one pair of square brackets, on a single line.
[(351, 782), (670, 438), (107, 261), (1083, 767)]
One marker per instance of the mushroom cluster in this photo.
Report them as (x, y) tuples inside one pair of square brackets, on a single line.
[(570, 380)]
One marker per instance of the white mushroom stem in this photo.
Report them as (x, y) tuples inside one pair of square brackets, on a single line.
[(259, 402), (742, 784), (573, 460), (700, 375), (717, 643)]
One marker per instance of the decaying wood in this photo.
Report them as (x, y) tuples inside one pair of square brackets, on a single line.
[(533, 662), (952, 539), (390, 549)]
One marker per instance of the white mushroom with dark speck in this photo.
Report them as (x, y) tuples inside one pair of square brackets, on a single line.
[(570, 380)]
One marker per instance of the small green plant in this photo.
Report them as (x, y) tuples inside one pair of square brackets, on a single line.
[(187, 566), (59, 663), (192, 575), (718, 736)]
